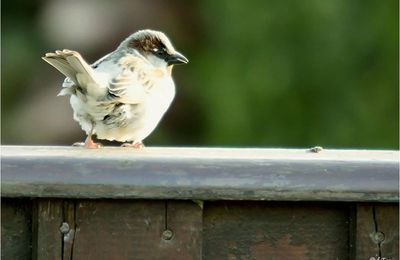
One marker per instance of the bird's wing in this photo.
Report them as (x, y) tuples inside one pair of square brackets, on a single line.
[(75, 68), (134, 80)]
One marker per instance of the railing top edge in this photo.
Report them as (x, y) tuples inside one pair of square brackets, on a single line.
[(202, 153)]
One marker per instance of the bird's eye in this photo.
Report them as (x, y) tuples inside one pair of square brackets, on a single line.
[(160, 52)]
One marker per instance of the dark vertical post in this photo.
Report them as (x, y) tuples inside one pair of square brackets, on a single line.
[(377, 231), (47, 239)]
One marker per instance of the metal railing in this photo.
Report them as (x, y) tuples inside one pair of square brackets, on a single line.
[(201, 174)]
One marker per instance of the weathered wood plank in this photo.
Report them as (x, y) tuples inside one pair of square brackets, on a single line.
[(47, 238), (387, 219), (261, 230), (16, 225), (68, 228), (377, 231), (366, 247), (206, 174), (184, 222), (117, 229), (132, 229), (137, 230)]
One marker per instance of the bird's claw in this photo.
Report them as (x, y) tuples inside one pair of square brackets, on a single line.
[(138, 145), (89, 145), (78, 144)]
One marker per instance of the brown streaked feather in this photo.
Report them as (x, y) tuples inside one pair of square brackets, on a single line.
[(146, 44), (134, 82)]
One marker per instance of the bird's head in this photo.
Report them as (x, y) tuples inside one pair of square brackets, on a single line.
[(155, 47)]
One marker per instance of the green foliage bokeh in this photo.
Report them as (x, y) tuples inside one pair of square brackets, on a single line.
[(263, 73), (299, 73)]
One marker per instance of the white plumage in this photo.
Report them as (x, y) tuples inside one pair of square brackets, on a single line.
[(124, 95)]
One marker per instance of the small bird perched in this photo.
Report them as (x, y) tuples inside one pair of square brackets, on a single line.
[(124, 95)]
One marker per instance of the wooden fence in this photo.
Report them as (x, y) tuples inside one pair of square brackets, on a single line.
[(199, 203)]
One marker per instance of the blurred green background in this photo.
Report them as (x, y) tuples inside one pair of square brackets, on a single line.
[(264, 73)]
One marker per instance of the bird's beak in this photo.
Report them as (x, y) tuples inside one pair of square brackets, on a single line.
[(176, 58)]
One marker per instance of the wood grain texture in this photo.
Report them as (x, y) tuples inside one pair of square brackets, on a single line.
[(134, 230), (256, 230), (47, 219), (16, 226), (185, 220), (387, 222), (366, 247), (377, 231), (200, 174), (117, 229), (69, 228)]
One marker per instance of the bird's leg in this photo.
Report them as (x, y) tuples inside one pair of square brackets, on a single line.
[(89, 142), (136, 145)]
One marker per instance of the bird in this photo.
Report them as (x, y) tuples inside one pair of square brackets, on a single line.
[(123, 95)]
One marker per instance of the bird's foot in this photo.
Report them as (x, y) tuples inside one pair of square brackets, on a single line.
[(93, 145), (137, 145), (88, 144), (78, 144)]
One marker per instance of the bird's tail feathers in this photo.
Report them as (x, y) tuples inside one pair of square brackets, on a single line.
[(72, 65)]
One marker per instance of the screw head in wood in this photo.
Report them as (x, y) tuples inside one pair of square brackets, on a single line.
[(64, 228), (379, 237), (167, 234)]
